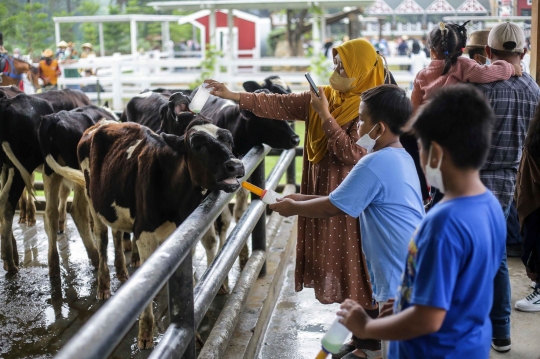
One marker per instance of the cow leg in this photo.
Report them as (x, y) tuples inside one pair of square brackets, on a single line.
[(81, 217), (104, 276), (147, 244), (127, 241), (65, 190), (135, 258), (223, 223), (52, 187), (30, 207), (119, 258), (209, 243), (239, 208), (22, 207), (12, 188)]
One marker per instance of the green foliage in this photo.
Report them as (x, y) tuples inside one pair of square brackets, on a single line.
[(30, 28), (89, 30), (274, 37), (116, 34), (208, 66), (320, 67)]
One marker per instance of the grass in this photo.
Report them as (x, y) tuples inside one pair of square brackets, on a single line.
[(270, 161)]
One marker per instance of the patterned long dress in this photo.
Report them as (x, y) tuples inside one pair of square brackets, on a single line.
[(329, 255)]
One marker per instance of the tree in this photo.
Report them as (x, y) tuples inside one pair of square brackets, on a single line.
[(295, 28), (116, 33), (89, 30), (30, 28)]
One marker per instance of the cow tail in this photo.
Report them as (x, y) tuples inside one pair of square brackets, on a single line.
[(27, 178), (4, 194), (47, 125)]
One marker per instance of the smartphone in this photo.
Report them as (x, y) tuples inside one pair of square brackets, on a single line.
[(314, 88)]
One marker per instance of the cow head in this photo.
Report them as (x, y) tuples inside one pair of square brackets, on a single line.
[(175, 115), (274, 84), (276, 134), (208, 150)]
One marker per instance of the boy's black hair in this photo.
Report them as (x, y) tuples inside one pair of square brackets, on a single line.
[(388, 104), (460, 119), (479, 51), (532, 142), (448, 40)]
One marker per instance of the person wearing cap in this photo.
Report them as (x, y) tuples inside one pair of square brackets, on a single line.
[(87, 50), (514, 102), (48, 69), (476, 47)]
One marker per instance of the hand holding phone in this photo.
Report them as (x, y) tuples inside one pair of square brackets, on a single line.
[(314, 87)]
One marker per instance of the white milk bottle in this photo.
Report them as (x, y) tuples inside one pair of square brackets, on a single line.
[(334, 338), (200, 98)]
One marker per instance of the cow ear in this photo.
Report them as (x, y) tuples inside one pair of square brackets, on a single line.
[(163, 111), (251, 86), (106, 104), (177, 143), (247, 115)]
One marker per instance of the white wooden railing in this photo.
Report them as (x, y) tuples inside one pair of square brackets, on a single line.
[(124, 76)]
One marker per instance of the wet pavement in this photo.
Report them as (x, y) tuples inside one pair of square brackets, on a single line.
[(38, 316), (299, 321)]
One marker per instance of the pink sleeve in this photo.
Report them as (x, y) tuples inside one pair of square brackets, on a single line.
[(471, 71), (417, 96)]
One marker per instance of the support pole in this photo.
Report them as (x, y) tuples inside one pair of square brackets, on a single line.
[(231, 51), (133, 33), (258, 236), (323, 28), (166, 38), (535, 41), (181, 304), (57, 32), (212, 28), (101, 40), (316, 34)]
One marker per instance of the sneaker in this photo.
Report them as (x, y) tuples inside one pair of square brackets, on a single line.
[(501, 345), (531, 303), (533, 285)]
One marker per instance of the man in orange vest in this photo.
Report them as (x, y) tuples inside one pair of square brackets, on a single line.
[(48, 69)]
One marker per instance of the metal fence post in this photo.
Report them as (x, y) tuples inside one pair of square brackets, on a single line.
[(98, 92), (291, 170), (181, 303), (258, 236)]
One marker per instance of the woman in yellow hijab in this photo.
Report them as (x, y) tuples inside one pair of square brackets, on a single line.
[(329, 257)]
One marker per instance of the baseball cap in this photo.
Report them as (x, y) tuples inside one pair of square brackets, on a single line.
[(507, 37)]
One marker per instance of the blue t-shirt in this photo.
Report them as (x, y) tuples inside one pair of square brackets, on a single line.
[(452, 261), (384, 190)]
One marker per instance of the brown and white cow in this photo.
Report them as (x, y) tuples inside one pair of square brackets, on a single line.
[(148, 184)]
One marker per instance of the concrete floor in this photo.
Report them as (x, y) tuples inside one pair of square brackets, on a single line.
[(38, 316), (299, 322)]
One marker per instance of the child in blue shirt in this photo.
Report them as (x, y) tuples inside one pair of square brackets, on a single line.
[(442, 307), (383, 190)]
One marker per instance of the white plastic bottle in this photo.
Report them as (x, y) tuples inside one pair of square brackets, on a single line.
[(270, 196), (199, 100), (335, 337)]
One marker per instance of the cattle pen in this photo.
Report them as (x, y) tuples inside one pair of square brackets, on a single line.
[(171, 264)]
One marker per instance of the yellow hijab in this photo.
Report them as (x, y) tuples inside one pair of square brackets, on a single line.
[(360, 61)]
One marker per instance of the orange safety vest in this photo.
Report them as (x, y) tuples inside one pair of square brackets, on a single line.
[(49, 71)]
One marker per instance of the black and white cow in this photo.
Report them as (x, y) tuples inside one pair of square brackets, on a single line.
[(65, 99), (146, 183)]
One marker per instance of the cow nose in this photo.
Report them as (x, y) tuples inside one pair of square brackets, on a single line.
[(235, 167), (295, 141)]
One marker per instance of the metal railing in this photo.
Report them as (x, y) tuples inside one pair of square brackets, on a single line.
[(171, 264)]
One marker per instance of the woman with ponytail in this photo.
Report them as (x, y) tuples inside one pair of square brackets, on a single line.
[(447, 67), (329, 254)]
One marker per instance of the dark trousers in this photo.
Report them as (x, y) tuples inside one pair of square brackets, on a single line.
[(369, 344), (512, 226), (531, 241)]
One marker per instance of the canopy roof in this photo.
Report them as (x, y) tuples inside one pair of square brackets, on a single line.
[(250, 4), (117, 18)]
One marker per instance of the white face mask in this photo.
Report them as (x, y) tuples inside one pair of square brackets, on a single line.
[(434, 175), (367, 142)]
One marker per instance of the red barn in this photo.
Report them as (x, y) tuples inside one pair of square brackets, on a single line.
[(248, 31), (524, 7)]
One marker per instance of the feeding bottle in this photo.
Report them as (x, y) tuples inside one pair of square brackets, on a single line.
[(333, 339), (268, 196), (199, 100)]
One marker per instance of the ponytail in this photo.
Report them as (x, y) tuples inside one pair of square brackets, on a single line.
[(444, 42), (453, 39)]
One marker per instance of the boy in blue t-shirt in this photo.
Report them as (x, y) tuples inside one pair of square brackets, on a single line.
[(383, 190), (442, 307)]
